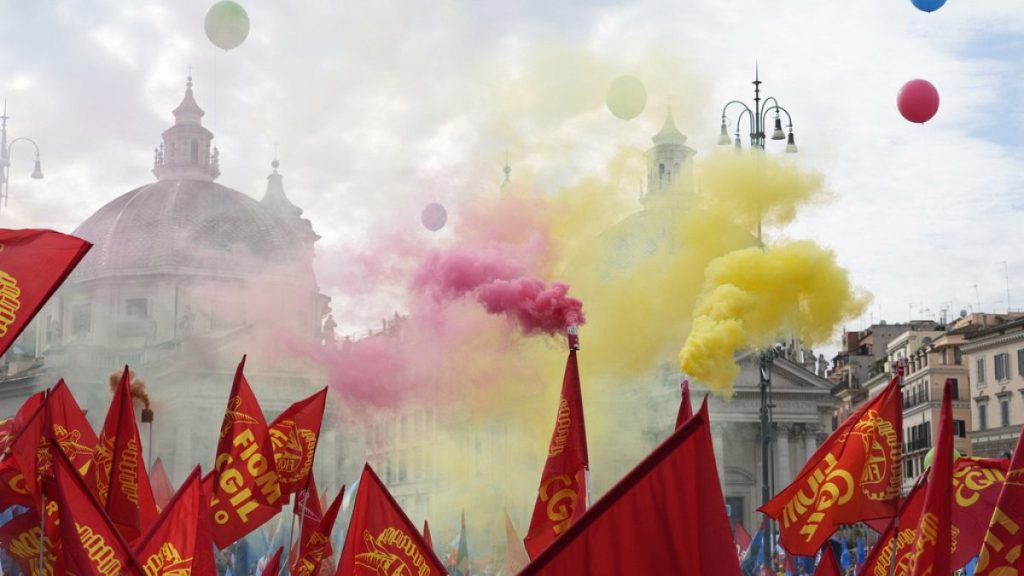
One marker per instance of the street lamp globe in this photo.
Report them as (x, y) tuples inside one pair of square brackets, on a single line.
[(37, 171)]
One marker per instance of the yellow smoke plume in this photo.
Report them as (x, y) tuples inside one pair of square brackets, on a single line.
[(753, 296)]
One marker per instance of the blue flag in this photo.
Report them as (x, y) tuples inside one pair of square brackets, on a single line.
[(751, 563)]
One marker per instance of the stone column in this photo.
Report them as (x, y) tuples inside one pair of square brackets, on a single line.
[(719, 445), (810, 443), (782, 473)]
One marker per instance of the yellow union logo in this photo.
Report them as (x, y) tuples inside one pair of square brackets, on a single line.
[(10, 301)]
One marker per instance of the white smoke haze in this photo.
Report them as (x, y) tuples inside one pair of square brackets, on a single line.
[(376, 109)]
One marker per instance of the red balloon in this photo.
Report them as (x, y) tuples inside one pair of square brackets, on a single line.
[(918, 101)]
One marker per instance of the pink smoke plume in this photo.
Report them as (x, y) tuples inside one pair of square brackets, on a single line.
[(534, 305), (494, 276)]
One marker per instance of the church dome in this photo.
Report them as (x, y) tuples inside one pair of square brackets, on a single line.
[(182, 226)]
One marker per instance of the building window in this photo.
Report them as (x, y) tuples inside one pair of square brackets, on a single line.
[(981, 370), (1004, 413), (960, 428), (136, 308), (982, 416), (1020, 361), (1002, 364), (81, 319), (958, 356), (195, 152), (956, 387)]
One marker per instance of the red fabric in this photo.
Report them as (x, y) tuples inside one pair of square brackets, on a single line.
[(274, 564), (91, 542), (854, 476), (666, 516), (163, 490), (30, 455), (515, 553), (180, 540), (14, 488), (20, 538), (743, 540), (72, 431), (33, 264), (935, 531), (685, 406), (246, 491), (317, 546), (1004, 539), (309, 510), (828, 566), (426, 535), (294, 435), (129, 498), (562, 496), (11, 427), (381, 539), (976, 486)]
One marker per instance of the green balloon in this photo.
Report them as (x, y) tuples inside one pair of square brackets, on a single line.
[(930, 456), (227, 25), (626, 97)]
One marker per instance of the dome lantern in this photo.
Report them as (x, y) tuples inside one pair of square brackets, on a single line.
[(187, 151)]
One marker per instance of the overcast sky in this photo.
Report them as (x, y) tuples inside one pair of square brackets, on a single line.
[(375, 107)]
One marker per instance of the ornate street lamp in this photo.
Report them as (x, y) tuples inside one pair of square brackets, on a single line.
[(757, 118), (5, 158)]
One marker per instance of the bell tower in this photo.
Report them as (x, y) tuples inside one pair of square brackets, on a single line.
[(186, 151), (669, 170)]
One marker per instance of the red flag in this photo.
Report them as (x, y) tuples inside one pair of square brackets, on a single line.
[(426, 535), (743, 540), (381, 539), (123, 487), (854, 476), (274, 564), (1003, 548), (318, 546), (91, 543), (934, 534), (516, 557), (666, 516), (828, 566), (163, 490), (30, 460), (70, 428), (976, 486), (562, 496), (14, 488), (308, 508), (245, 492), (20, 538), (294, 435), (180, 541), (11, 427), (33, 264), (685, 406)]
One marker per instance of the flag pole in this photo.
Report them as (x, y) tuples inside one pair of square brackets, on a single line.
[(42, 491), (291, 531), (896, 520), (573, 334)]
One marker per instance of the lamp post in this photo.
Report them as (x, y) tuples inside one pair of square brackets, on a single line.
[(757, 118), (5, 158)]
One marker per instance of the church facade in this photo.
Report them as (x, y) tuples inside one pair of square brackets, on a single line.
[(184, 277)]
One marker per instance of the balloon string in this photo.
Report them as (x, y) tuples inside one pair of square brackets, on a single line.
[(215, 93)]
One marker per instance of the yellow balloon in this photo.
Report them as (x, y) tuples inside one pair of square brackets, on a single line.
[(626, 97)]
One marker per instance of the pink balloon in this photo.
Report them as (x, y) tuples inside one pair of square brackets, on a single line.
[(918, 101)]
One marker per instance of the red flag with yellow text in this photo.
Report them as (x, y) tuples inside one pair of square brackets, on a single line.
[(317, 547), (666, 516), (934, 535), (976, 486), (294, 435), (33, 264), (11, 427), (245, 491), (381, 539), (180, 541), (128, 496), (562, 496), (92, 545), (1002, 551), (854, 476), (20, 538), (70, 428)]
